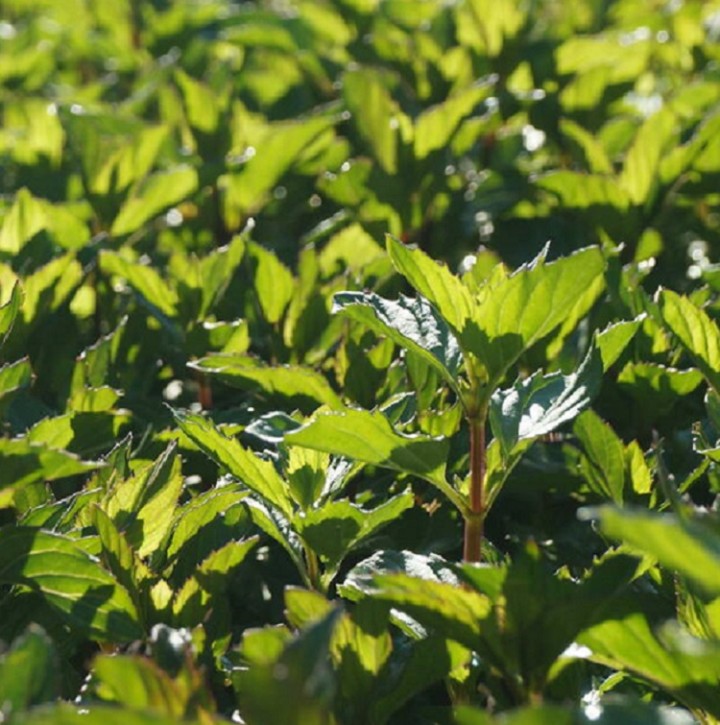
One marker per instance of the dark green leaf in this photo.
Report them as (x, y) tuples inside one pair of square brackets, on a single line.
[(541, 403)]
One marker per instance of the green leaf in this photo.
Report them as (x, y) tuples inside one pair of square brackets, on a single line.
[(611, 710), (307, 471), (338, 527), (202, 103), (257, 474), (604, 462), (217, 270), (657, 387), (278, 528), (26, 218), (697, 333), (85, 434), (15, 376), (575, 190), (368, 437), (688, 669), (290, 381), (299, 685), (433, 281), (374, 113), (193, 521), (453, 612), (637, 470), (274, 283), (114, 151), (281, 146), (154, 516), (352, 248), (29, 671), (156, 194), (118, 556), (143, 505), (515, 312), (24, 462), (411, 323), (138, 684), (615, 338), (487, 24), (593, 151), (435, 126), (70, 580), (144, 279), (688, 546), (539, 404), (49, 287), (9, 312), (210, 580), (66, 714), (639, 176)]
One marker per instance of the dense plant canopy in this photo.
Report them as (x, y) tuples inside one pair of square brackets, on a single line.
[(360, 361)]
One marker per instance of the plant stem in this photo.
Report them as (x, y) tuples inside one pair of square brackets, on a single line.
[(313, 569), (475, 520)]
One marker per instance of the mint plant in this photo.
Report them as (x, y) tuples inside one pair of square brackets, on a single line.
[(257, 465), (473, 334)]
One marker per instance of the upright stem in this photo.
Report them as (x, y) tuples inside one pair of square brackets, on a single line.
[(313, 569), (475, 520)]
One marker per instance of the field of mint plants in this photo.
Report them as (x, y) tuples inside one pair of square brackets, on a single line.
[(360, 362)]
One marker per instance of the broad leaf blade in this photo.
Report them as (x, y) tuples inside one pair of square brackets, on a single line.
[(690, 547), (540, 404), (71, 580), (411, 323), (433, 281), (334, 530), (257, 474), (697, 333), (290, 381), (520, 310), (368, 437), (605, 455), (9, 311)]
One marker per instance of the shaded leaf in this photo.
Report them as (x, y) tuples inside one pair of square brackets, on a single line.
[(29, 671), (412, 323), (541, 403)]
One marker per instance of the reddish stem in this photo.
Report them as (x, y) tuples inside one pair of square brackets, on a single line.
[(474, 523)]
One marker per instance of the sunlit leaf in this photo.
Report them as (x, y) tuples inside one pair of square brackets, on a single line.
[(290, 381), (688, 546), (697, 333), (604, 465), (71, 580), (374, 113), (157, 193), (257, 474), (368, 437)]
